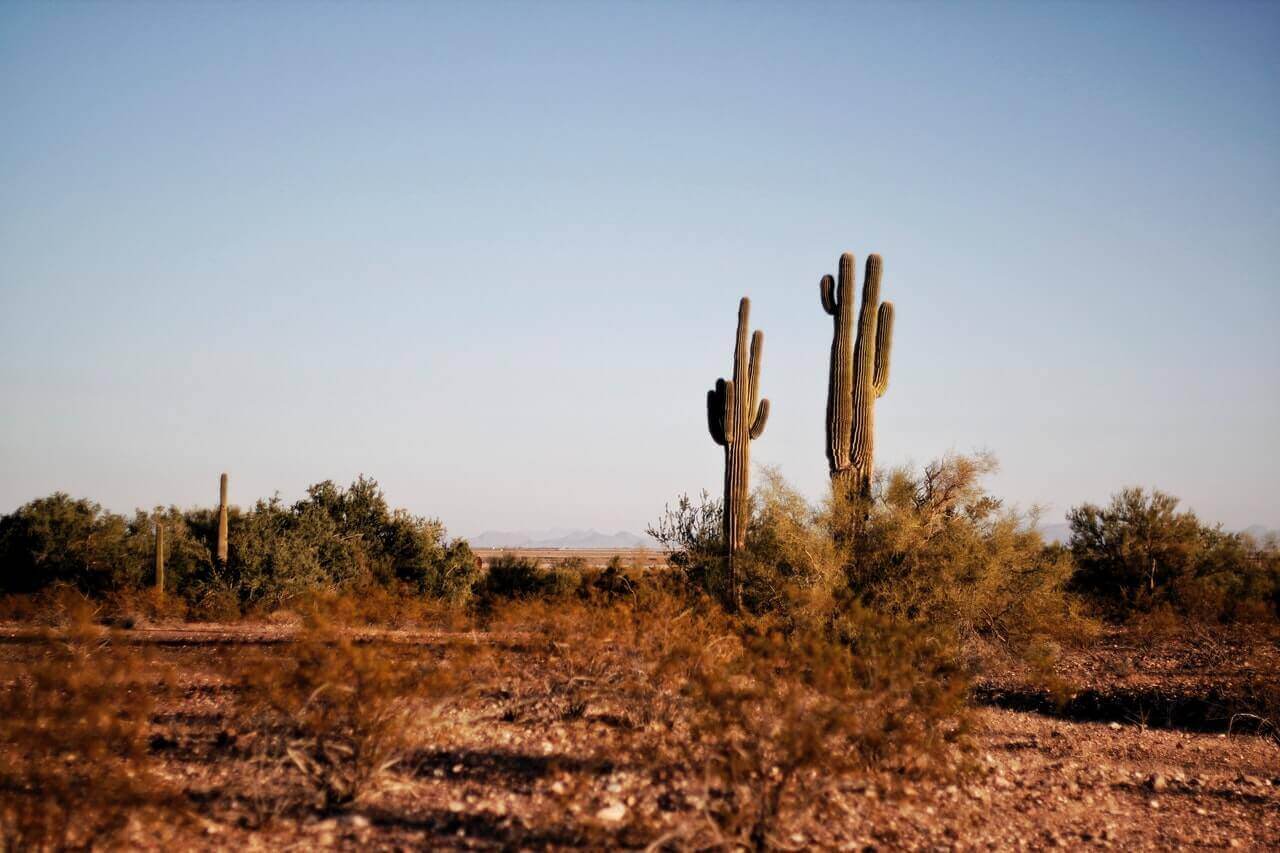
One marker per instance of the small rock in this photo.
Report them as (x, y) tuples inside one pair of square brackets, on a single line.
[(557, 787), (456, 806), (1157, 782), (612, 813), (798, 838), (1116, 726), (1155, 804), (358, 821)]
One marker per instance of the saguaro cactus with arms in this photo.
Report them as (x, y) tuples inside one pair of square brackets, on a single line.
[(735, 416), (859, 373)]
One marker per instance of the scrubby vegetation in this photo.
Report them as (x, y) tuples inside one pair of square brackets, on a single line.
[(334, 540), (1140, 553), (851, 657)]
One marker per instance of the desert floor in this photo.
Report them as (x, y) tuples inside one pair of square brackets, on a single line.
[(1140, 758)]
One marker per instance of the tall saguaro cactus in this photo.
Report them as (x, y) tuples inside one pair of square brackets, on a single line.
[(222, 520), (159, 557), (735, 416), (859, 373)]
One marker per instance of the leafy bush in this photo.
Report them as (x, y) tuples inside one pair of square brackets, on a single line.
[(333, 540), (939, 550), (510, 576), (1140, 553), (933, 549)]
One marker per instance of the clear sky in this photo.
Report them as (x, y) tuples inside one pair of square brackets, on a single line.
[(490, 253)]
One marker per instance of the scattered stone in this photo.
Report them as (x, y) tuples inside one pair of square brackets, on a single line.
[(613, 813)]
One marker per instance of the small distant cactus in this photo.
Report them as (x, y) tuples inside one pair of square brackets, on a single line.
[(859, 374), (222, 521), (159, 557), (735, 416)]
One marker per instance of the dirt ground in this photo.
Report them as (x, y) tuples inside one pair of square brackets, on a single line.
[(1135, 755)]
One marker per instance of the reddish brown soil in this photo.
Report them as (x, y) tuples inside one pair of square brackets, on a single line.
[(487, 778)]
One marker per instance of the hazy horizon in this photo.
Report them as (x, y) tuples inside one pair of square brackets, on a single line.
[(491, 254)]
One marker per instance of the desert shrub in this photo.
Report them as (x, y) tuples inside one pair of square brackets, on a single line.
[(333, 540), (584, 659), (932, 548), (939, 550), (59, 539), (776, 715), (776, 709), (338, 711), (691, 533), (74, 767), (762, 712), (1140, 554), (510, 576)]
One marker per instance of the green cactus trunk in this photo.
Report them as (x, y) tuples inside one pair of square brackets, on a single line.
[(159, 558), (859, 374), (735, 416), (222, 521)]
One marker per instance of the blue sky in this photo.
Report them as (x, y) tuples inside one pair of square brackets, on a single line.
[(490, 254)]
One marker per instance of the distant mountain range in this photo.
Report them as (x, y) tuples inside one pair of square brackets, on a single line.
[(560, 538)]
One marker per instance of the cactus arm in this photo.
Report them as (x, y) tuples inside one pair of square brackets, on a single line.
[(762, 415), (753, 372), (715, 413), (884, 347), (826, 288)]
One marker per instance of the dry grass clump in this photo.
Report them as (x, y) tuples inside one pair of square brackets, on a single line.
[(762, 713), (74, 768), (777, 717), (341, 712), (582, 659)]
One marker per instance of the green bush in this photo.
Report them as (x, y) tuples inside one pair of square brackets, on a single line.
[(334, 540), (933, 550), (1140, 553), (520, 578), (939, 550)]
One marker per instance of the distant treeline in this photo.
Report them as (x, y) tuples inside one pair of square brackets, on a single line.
[(937, 545), (334, 539)]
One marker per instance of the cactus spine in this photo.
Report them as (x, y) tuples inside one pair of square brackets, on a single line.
[(735, 416), (222, 520), (159, 557), (859, 374)]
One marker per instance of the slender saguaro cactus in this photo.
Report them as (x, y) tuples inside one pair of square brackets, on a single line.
[(222, 520), (159, 558), (859, 374), (735, 416)]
